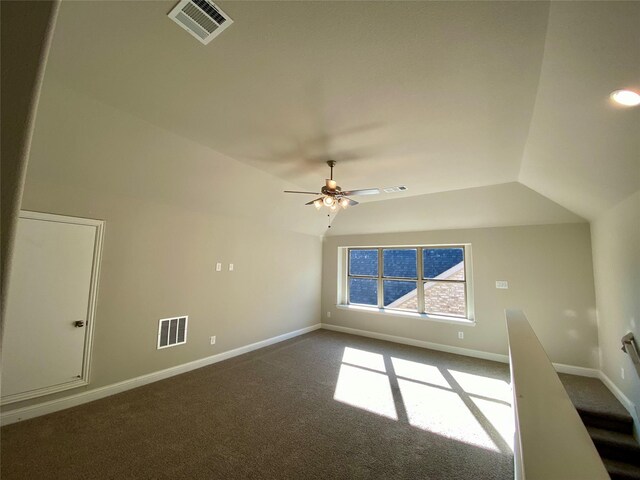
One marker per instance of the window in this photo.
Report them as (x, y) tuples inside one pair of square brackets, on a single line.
[(429, 280)]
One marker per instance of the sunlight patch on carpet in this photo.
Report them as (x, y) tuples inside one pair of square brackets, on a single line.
[(419, 371), (488, 387), (365, 389), (465, 407), (362, 358), (500, 417), (442, 412)]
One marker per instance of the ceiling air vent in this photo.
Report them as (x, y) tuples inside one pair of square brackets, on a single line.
[(201, 18), (172, 331), (400, 188)]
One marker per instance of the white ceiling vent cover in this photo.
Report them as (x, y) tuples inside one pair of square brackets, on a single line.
[(399, 188), (172, 331), (201, 18)]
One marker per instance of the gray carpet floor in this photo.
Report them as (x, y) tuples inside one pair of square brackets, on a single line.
[(324, 405), (592, 395)]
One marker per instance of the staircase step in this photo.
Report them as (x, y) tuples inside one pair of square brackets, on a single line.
[(607, 420), (616, 445), (621, 471)]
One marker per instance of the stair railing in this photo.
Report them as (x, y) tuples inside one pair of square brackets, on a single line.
[(551, 442), (629, 346)]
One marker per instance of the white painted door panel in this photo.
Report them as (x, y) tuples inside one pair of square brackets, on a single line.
[(49, 291)]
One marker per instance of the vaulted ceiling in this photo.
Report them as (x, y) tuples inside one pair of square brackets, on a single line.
[(439, 97)]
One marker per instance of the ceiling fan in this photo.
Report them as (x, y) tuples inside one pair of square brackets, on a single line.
[(332, 196)]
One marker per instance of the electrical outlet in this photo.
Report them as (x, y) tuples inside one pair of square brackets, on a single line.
[(622, 372), (461, 335), (502, 284), (328, 314), (212, 340), (218, 267)]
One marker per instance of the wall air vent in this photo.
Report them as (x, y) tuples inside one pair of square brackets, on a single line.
[(400, 188), (172, 331), (201, 18)]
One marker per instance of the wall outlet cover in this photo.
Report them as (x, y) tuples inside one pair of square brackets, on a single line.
[(502, 284)]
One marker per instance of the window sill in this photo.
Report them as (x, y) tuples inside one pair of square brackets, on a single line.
[(399, 313)]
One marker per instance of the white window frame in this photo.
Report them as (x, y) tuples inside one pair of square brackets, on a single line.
[(343, 283)]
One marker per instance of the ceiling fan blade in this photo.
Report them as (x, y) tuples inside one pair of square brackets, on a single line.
[(312, 201), (364, 191), (352, 203), (306, 193)]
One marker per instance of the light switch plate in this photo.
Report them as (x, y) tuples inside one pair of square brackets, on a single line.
[(218, 267), (231, 267)]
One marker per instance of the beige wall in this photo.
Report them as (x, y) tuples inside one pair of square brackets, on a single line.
[(550, 276), (172, 209), (616, 263), (27, 29)]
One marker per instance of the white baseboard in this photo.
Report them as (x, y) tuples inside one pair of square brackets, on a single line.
[(497, 357), (624, 400), (574, 370), (24, 413)]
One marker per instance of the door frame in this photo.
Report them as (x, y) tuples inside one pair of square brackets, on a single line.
[(91, 307)]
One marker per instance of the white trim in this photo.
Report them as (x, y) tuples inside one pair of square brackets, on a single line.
[(53, 217), (25, 413), (624, 400), (85, 379), (467, 352), (497, 357), (178, 318), (575, 370), (344, 277), (19, 414), (463, 322)]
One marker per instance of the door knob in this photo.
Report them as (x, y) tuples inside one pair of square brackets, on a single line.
[(78, 324)]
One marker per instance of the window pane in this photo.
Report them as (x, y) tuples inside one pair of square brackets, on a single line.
[(363, 262), (400, 294), (400, 263), (363, 291), (443, 263), (446, 298)]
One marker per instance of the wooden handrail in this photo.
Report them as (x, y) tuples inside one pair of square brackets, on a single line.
[(551, 441)]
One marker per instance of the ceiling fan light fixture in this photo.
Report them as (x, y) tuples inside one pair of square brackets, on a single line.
[(334, 197)]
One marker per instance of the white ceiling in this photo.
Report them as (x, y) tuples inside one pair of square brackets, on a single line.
[(491, 206), (436, 96), (582, 151)]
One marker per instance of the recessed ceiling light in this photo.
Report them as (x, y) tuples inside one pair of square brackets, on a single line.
[(626, 98)]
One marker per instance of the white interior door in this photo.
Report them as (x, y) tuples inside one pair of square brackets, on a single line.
[(50, 303)]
